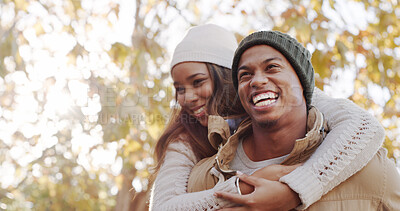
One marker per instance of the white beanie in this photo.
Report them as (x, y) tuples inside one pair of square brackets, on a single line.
[(206, 43)]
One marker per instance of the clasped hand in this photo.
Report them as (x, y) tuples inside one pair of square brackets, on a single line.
[(263, 191)]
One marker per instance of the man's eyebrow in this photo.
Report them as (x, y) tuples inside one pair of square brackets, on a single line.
[(244, 67), (190, 77), (271, 59)]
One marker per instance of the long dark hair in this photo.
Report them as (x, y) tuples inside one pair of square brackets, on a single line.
[(184, 127)]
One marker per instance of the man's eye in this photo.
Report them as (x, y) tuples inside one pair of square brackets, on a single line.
[(272, 66), (243, 74)]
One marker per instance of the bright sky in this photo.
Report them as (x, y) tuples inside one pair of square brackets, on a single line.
[(46, 58)]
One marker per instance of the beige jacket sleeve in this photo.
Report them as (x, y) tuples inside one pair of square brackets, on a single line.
[(391, 196)]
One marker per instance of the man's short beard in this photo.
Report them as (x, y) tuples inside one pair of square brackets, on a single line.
[(266, 124)]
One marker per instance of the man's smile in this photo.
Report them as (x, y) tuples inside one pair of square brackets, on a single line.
[(264, 98)]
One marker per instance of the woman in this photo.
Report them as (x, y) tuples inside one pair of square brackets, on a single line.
[(201, 74)]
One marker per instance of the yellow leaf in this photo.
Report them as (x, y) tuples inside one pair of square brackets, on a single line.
[(38, 29), (21, 4), (154, 130), (132, 146)]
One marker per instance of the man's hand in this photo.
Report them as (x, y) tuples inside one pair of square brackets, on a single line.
[(271, 172), (267, 195)]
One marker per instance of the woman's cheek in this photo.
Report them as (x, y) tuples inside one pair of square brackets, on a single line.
[(207, 91), (180, 100)]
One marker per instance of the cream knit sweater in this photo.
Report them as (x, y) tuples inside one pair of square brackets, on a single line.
[(354, 138)]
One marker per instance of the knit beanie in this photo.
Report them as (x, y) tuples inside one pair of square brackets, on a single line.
[(206, 43), (298, 56)]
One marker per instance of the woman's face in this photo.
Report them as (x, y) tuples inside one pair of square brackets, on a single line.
[(194, 87)]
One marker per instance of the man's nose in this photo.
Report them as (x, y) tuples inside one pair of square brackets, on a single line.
[(258, 79)]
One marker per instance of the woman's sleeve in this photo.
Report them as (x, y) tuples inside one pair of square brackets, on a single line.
[(354, 138), (169, 191)]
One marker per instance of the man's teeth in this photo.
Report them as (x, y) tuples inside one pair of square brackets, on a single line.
[(265, 102), (198, 111), (264, 96)]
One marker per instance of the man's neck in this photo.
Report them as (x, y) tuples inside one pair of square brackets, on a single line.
[(274, 141)]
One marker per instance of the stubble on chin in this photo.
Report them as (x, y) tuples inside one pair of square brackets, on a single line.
[(265, 124)]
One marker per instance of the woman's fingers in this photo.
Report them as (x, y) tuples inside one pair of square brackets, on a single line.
[(236, 198), (251, 180), (287, 169), (235, 209)]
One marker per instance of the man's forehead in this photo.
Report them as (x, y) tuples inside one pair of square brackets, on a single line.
[(265, 52)]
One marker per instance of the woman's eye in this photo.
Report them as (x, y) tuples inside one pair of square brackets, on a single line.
[(180, 90), (197, 82)]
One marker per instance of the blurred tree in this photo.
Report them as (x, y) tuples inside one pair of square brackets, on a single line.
[(85, 87)]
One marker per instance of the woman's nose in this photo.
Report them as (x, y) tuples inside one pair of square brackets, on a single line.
[(190, 96)]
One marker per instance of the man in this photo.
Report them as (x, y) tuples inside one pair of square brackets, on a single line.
[(274, 79)]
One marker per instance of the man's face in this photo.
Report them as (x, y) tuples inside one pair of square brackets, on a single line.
[(268, 87)]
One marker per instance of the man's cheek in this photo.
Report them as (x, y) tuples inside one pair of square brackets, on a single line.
[(298, 98), (294, 95)]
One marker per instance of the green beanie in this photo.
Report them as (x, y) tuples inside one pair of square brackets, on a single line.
[(298, 56)]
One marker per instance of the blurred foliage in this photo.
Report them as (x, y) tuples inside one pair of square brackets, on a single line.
[(97, 155)]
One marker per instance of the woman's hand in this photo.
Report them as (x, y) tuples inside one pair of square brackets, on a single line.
[(263, 191), (267, 195)]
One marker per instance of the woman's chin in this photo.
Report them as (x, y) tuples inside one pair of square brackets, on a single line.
[(203, 121)]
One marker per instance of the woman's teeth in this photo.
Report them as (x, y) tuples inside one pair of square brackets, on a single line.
[(198, 111)]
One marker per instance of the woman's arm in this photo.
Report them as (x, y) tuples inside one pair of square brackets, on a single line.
[(354, 138), (170, 187)]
